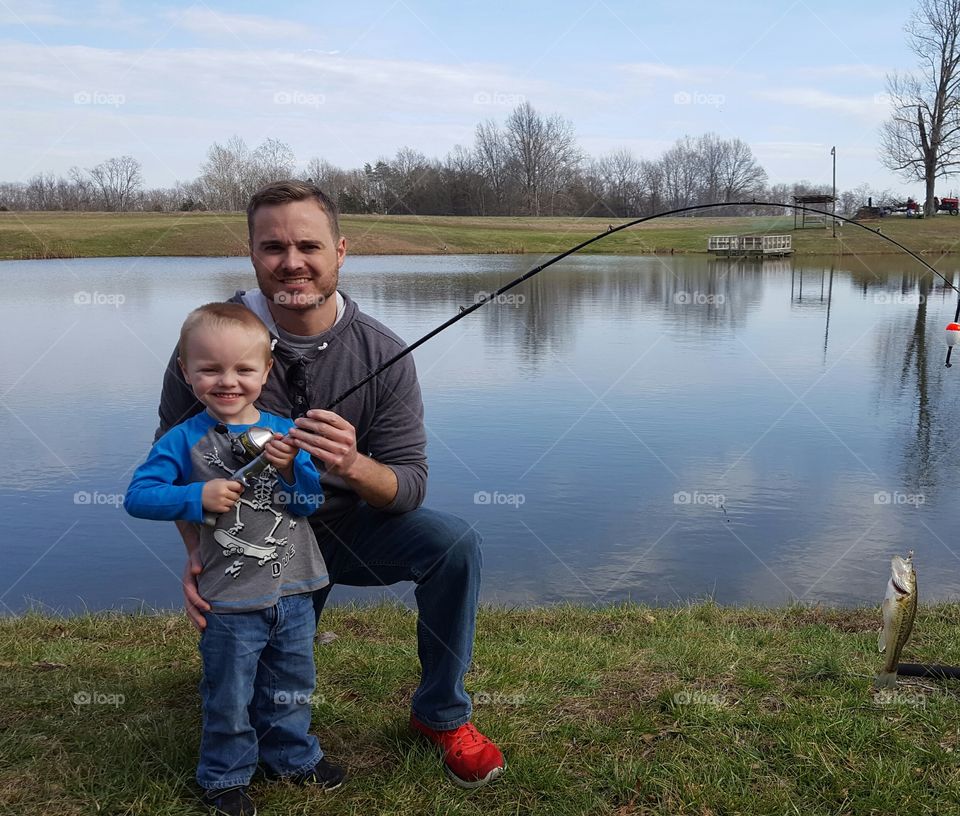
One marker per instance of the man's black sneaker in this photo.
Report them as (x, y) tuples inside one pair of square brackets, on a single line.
[(229, 802), (324, 774)]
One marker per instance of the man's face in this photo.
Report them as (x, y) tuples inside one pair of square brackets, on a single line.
[(295, 254)]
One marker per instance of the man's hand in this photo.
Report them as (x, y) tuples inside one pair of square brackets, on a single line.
[(280, 452), (195, 605), (219, 495), (331, 439)]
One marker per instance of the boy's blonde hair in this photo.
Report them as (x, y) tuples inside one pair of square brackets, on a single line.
[(218, 315)]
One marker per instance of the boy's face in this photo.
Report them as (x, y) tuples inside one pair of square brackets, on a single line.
[(226, 367)]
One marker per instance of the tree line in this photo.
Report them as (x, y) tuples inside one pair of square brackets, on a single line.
[(530, 164)]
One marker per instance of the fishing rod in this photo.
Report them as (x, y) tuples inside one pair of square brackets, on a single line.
[(259, 463), (487, 297)]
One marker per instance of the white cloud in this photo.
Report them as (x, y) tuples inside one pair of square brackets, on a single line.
[(860, 71), (652, 71), (873, 107), (143, 102), (30, 13), (248, 28)]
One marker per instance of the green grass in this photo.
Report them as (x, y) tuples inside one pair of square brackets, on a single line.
[(624, 710), (88, 235)]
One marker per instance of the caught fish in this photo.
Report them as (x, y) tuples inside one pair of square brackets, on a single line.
[(899, 610)]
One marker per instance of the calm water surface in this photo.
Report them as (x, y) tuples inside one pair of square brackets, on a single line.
[(646, 428)]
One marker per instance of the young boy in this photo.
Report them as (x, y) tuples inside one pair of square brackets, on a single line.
[(260, 563)]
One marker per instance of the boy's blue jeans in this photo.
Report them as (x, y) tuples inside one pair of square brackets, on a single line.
[(441, 553), (258, 675)]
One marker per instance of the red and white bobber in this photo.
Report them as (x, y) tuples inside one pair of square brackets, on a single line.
[(952, 332)]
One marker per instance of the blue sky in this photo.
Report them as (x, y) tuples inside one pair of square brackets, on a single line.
[(350, 82)]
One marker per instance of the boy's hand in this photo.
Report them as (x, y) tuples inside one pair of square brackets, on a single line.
[(280, 453), (219, 495)]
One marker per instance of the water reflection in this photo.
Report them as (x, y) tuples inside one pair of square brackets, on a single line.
[(810, 395)]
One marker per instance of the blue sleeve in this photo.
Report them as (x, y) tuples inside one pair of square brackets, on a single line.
[(306, 493), (158, 489)]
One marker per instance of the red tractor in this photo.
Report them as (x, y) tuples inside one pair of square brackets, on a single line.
[(950, 205)]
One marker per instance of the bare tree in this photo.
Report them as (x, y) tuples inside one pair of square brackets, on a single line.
[(921, 140), (542, 153), (462, 179), (325, 175), (490, 150), (224, 176), (273, 160), (681, 172), (117, 181), (739, 174)]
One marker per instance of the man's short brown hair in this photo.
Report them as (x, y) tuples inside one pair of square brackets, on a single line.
[(284, 192), (219, 315)]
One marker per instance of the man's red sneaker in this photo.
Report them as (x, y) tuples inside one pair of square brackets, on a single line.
[(470, 758)]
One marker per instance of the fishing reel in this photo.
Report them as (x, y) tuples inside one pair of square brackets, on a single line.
[(247, 447)]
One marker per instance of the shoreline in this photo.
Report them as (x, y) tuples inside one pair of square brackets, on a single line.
[(58, 235)]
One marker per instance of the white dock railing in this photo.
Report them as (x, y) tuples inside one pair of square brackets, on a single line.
[(751, 244)]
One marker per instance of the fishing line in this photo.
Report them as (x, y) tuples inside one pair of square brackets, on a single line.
[(908, 669), (610, 231)]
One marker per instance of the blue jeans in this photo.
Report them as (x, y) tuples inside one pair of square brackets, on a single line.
[(258, 675), (441, 553)]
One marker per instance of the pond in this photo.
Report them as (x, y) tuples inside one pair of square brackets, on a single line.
[(647, 428)]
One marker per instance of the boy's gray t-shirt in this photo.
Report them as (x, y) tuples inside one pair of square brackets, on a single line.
[(259, 550)]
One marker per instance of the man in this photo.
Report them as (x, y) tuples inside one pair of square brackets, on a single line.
[(371, 528)]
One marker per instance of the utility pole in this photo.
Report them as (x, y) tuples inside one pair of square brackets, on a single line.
[(833, 152)]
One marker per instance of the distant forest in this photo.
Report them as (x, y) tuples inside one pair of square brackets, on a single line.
[(530, 165)]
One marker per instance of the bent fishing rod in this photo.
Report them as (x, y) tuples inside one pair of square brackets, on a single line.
[(259, 463), (464, 311)]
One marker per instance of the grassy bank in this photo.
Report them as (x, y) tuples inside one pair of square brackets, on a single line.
[(88, 235), (628, 710)]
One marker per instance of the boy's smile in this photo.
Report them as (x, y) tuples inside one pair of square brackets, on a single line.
[(227, 367)]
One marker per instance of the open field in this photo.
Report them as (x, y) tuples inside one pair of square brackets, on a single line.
[(86, 235), (624, 710)]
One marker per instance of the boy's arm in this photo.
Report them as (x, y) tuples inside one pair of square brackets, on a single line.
[(305, 492), (154, 493)]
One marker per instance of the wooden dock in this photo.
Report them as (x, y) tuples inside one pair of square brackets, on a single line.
[(753, 246)]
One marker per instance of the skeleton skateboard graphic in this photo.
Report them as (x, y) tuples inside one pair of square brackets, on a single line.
[(258, 499)]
